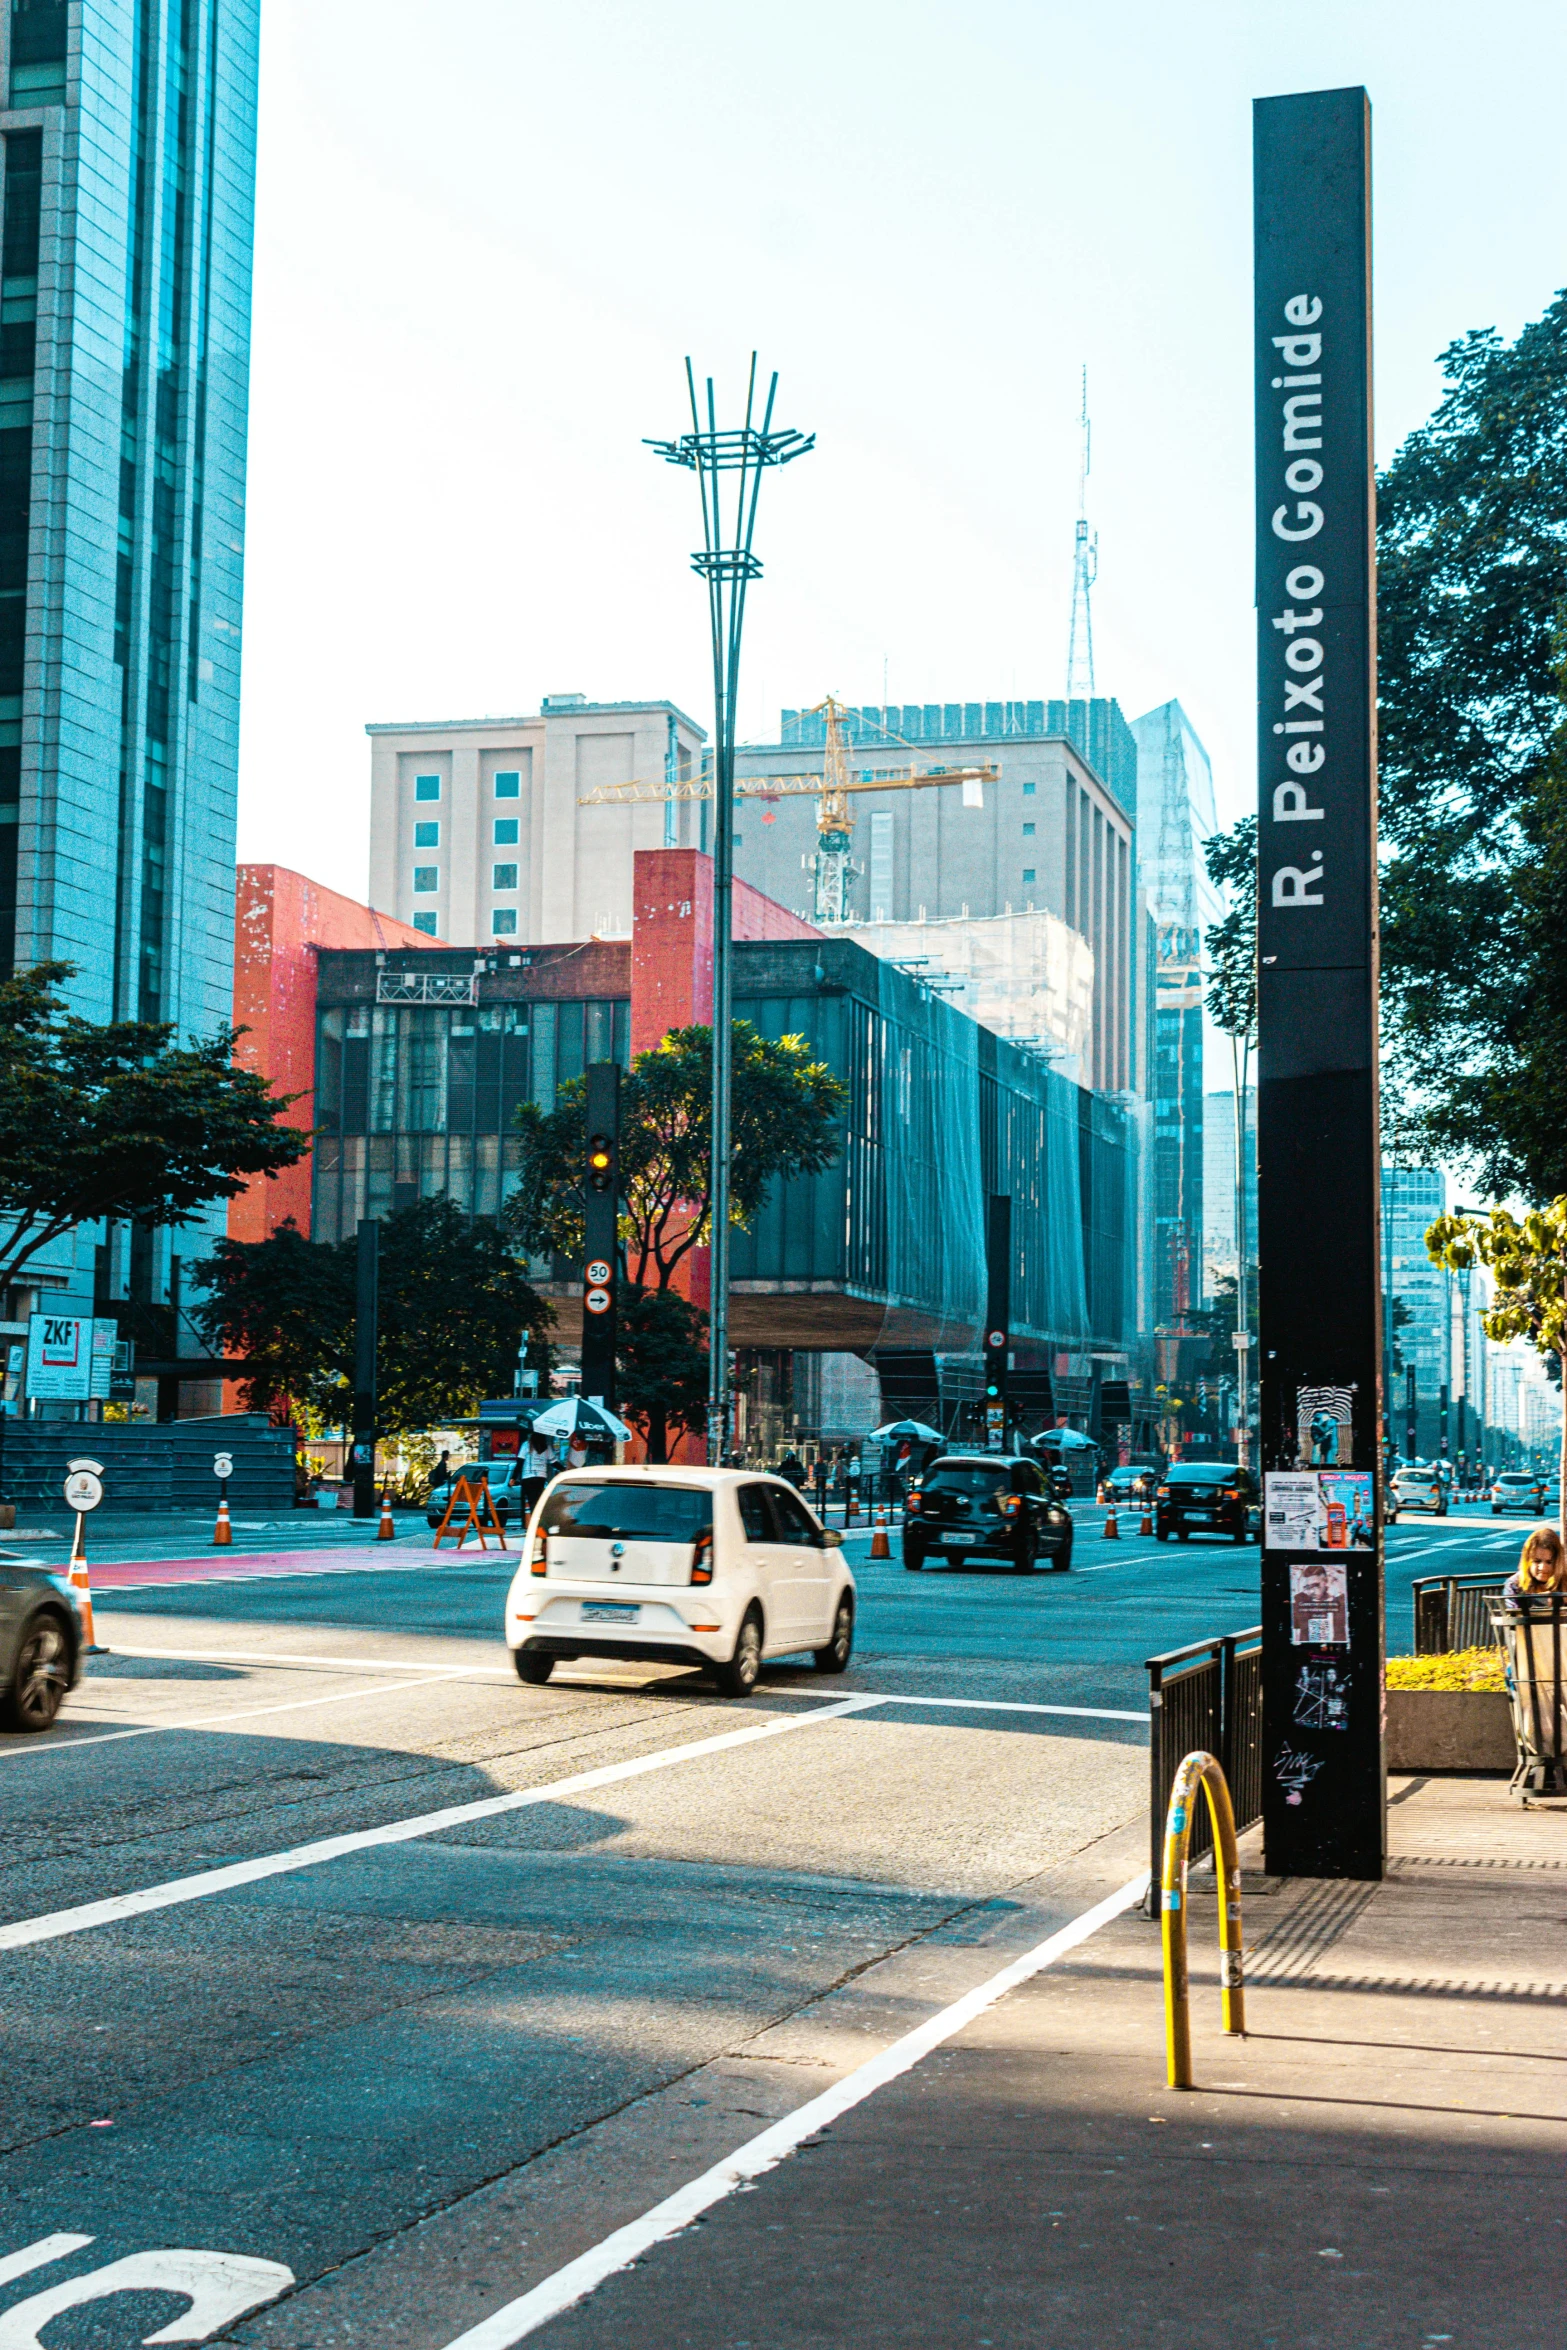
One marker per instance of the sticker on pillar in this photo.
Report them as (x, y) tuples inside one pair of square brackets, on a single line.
[(1319, 1603), (1322, 1697), (1295, 1771), (1290, 1504), (1323, 1434), (1347, 1518)]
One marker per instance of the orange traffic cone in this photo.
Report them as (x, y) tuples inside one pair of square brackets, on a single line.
[(881, 1548), (386, 1531), (82, 1591), (1145, 1523), (1112, 1531), (222, 1532)]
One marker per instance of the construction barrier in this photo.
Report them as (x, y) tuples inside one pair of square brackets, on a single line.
[(1199, 1770)]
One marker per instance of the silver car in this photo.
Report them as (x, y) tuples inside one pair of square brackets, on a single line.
[(40, 1645)]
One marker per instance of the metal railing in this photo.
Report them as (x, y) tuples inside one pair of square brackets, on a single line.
[(1206, 1699), (1532, 1634), (1198, 1772), (1454, 1611)]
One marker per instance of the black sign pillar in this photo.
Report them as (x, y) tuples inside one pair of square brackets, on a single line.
[(600, 1252), (1324, 1786), (998, 1316), (367, 1270)]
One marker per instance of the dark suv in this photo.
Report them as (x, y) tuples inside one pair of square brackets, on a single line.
[(986, 1505), (1207, 1497)]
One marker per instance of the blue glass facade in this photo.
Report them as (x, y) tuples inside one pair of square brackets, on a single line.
[(129, 168)]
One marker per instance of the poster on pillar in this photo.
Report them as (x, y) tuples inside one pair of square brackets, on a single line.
[(1319, 1296)]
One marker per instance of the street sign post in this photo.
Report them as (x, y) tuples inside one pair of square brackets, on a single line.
[(83, 1493), (367, 1303), (601, 1210), (1324, 1787), (998, 1316)]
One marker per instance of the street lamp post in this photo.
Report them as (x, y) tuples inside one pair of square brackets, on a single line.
[(729, 467)]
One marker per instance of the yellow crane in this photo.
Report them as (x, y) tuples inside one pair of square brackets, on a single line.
[(833, 787)]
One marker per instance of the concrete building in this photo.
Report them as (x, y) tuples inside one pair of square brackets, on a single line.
[(478, 832), (129, 170)]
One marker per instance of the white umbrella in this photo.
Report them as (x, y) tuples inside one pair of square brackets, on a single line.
[(896, 1430), (575, 1416)]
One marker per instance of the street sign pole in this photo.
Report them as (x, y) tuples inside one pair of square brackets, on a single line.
[(600, 1254), (998, 1316), (366, 1312), (1324, 1784)]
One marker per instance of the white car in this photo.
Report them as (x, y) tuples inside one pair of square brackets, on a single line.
[(1521, 1490), (714, 1567), (1417, 1486)]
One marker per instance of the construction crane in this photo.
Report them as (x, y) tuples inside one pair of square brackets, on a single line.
[(833, 861)]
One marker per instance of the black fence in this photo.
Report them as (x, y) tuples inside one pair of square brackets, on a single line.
[(1454, 1611), (1533, 1633), (1206, 1697)]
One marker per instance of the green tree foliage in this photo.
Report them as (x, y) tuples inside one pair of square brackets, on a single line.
[(1231, 859), (455, 1308), (1527, 1259), (116, 1120), (1472, 553), (786, 1112), (661, 1364)]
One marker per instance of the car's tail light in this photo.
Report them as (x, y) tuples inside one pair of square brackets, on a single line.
[(1164, 1493), (1232, 1493), (539, 1563), (913, 1500), (702, 1558), (1009, 1504)]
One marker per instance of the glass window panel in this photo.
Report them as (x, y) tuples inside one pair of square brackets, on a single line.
[(487, 1175), (427, 836), (426, 923), (426, 879), (503, 922), (542, 1071), (508, 787), (504, 877), (568, 1042), (427, 787), (600, 1032), (505, 832), (622, 1052)]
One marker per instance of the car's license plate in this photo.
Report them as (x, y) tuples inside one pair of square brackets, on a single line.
[(959, 1538), (1200, 1517), (608, 1611)]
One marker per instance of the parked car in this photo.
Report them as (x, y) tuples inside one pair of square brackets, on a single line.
[(1518, 1489), (1419, 1485), (714, 1567), (987, 1505), (503, 1476), (1207, 1497), (40, 1645)]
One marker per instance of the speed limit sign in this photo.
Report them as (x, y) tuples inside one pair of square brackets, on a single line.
[(83, 1485), (598, 1273)]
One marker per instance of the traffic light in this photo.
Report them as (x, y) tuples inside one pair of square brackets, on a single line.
[(601, 1163)]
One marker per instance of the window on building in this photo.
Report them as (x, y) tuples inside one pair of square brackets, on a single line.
[(427, 836), (1028, 873), (426, 923), (508, 787), (426, 878), (1028, 791), (505, 877), (427, 787), (503, 922), (1028, 832), (505, 832)]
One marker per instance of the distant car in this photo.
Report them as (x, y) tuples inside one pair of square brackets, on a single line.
[(715, 1567), (1207, 1497), (40, 1645), (1132, 1481), (1420, 1485), (1517, 1490), (987, 1505), (503, 1477)]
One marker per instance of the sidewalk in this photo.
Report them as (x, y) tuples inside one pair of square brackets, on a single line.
[(1378, 2163)]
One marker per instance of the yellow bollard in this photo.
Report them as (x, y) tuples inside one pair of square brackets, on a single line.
[(1199, 1770)]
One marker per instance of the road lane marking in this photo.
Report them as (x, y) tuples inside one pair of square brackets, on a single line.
[(220, 2287), (22, 1933), (250, 1713), (582, 2276), (335, 1664), (999, 1705), (39, 2255)]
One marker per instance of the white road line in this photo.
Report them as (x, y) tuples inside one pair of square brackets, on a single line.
[(250, 1713), (582, 2276), (335, 1664), (39, 2255), (999, 1705), (49, 1928)]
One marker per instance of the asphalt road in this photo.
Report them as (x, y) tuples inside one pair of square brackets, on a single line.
[(390, 1986)]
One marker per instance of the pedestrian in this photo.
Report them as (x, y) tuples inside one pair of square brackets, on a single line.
[(541, 1465), (792, 1470), (577, 1450), (1541, 1572), (441, 1474)]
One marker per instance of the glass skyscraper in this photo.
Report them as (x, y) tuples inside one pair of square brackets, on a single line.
[(128, 184)]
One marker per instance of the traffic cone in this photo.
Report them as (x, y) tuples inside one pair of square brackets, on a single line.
[(881, 1548), (386, 1531), (82, 1591), (1112, 1531), (222, 1532), (1145, 1523)]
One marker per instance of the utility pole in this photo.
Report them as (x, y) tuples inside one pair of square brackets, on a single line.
[(998, 1317), (735, 458), (600, 1233), (367, 1280)]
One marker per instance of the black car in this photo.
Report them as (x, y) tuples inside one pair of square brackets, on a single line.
[(1207, 1497), (986, 1505)]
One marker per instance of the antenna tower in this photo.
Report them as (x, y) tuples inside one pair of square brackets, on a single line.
[(1085, 570)]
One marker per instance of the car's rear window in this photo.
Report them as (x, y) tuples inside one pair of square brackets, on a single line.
[(975, 1478), (1200, 1473), (644, 1513), (1515, 1480)]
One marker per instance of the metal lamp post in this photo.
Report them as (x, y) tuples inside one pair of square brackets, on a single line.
[(736, 458)]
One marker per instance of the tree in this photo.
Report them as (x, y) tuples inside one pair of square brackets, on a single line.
[(117, 1121), (1231, 859), (455, 1308), (661, 1364), (1472, 555), (1527, 1259), (786, 1109)]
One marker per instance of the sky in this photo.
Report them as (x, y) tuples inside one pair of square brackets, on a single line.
[(490, 231)]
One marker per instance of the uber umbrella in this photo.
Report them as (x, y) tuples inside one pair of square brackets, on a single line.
[(575, 1416)]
